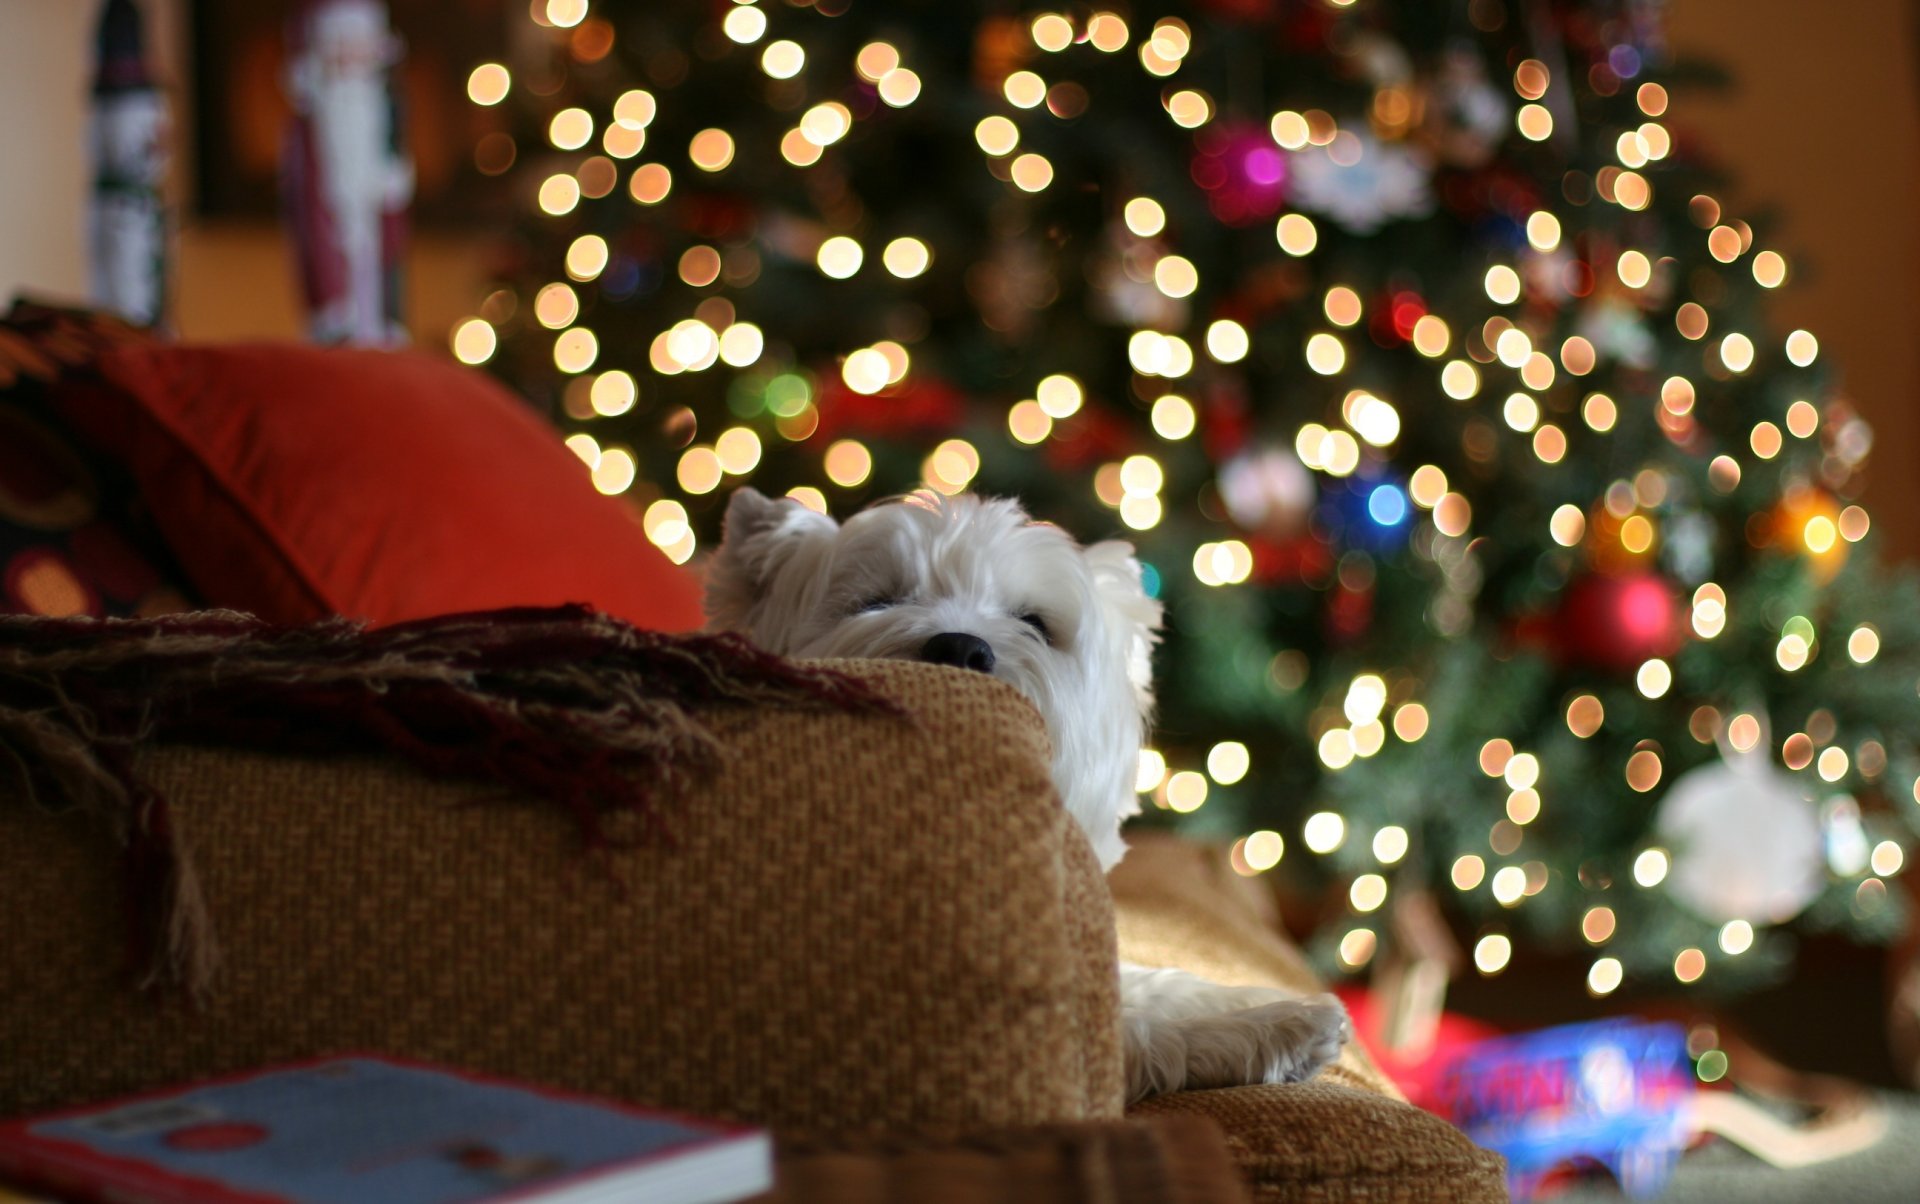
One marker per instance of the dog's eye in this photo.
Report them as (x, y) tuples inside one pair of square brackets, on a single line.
[(1038, 624)]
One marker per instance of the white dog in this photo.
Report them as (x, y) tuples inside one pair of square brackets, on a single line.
[(976, 584)]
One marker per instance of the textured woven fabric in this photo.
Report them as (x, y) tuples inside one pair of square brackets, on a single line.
[(1175, 1159), (1325, 1143), (1345, 1136), (865, 922), (1177, 903)]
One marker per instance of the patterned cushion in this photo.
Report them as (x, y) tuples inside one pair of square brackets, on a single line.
[(74, 537)]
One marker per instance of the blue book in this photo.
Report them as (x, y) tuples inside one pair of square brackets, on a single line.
[(367, 1129)]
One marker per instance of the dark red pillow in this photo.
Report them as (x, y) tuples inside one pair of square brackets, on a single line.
[(298, 482)]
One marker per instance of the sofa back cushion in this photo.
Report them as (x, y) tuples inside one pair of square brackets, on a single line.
[(297, 482), (862, 923)]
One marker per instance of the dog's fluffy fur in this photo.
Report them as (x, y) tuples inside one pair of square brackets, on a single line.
[(976, 584)]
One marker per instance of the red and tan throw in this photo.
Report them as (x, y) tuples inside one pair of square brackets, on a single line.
[(561, 703)]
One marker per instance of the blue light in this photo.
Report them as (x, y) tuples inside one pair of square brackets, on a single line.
[(1387, 506), (1149, 580)]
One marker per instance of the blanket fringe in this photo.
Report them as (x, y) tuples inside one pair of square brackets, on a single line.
[(562, 703)]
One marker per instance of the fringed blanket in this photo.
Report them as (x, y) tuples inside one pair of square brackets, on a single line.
[(564, 704)]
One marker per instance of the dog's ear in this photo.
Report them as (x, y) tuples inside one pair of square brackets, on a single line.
[(760, 535), (1131, 614)]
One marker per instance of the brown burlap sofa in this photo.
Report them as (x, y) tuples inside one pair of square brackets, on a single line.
[(863, 925)]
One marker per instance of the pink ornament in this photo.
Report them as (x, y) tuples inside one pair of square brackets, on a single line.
[(1242, 172)]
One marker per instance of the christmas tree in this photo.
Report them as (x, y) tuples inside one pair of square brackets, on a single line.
[(1509, 554)]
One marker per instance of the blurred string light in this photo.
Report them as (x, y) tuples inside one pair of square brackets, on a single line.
[(1473, 354)]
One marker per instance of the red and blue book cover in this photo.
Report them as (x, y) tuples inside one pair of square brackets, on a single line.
[(365, 1129)]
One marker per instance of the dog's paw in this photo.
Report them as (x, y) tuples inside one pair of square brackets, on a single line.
[(1285, 1041)]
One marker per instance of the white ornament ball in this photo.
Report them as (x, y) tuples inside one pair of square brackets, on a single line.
[(1746, 844)]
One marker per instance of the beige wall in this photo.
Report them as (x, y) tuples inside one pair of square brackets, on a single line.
[(43, 95), (1823, 124)]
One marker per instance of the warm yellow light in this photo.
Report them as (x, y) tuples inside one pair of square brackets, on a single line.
[(1107, 32), (1289, 129), (1296, 234), (1143, 215), (741, 344), (575, 350), (665, 521), (1410, 722), (839, 257), (899, 87), (1534, 122), (1491, 953), (1468, 872), (650, 184), (699, 470), (1173, 417), (587, 257), (875, 60), (1228, 762), (997, 135), (1151, 770), (1189, 109), (559, 194), (827, 123), (1390, 844), (745, 25), (1028, 423), (1521, 412), (866, 371), (615, 472), (1176, 276), (1367, 893), (1460, 380), (1736, 352), (1502, 284), (1052, 32), (613, 393), (906, 257), (1606, 976), (1227, 341), (1802, 348), (1263, 849), (1059, 395), (1736, 937), (474, 341), (1325, 354), (634, 110), (1427, 486), (1024, 89), (1650, 868), (488, 84), (1431, 336), (1031, 172), (1324, 832), (848, 463), (783, 59), (1543, 231), (711, 150)]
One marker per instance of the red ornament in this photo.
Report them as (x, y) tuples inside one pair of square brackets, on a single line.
[(1615, 623), (921, 404)]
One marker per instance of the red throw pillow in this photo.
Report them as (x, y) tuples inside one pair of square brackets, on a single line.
[(298, 482)]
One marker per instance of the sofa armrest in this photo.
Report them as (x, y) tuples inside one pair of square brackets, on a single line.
[(862, 922), (1348, 1135)]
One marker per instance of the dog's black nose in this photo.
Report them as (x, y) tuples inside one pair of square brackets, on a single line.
[(960, 650)]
